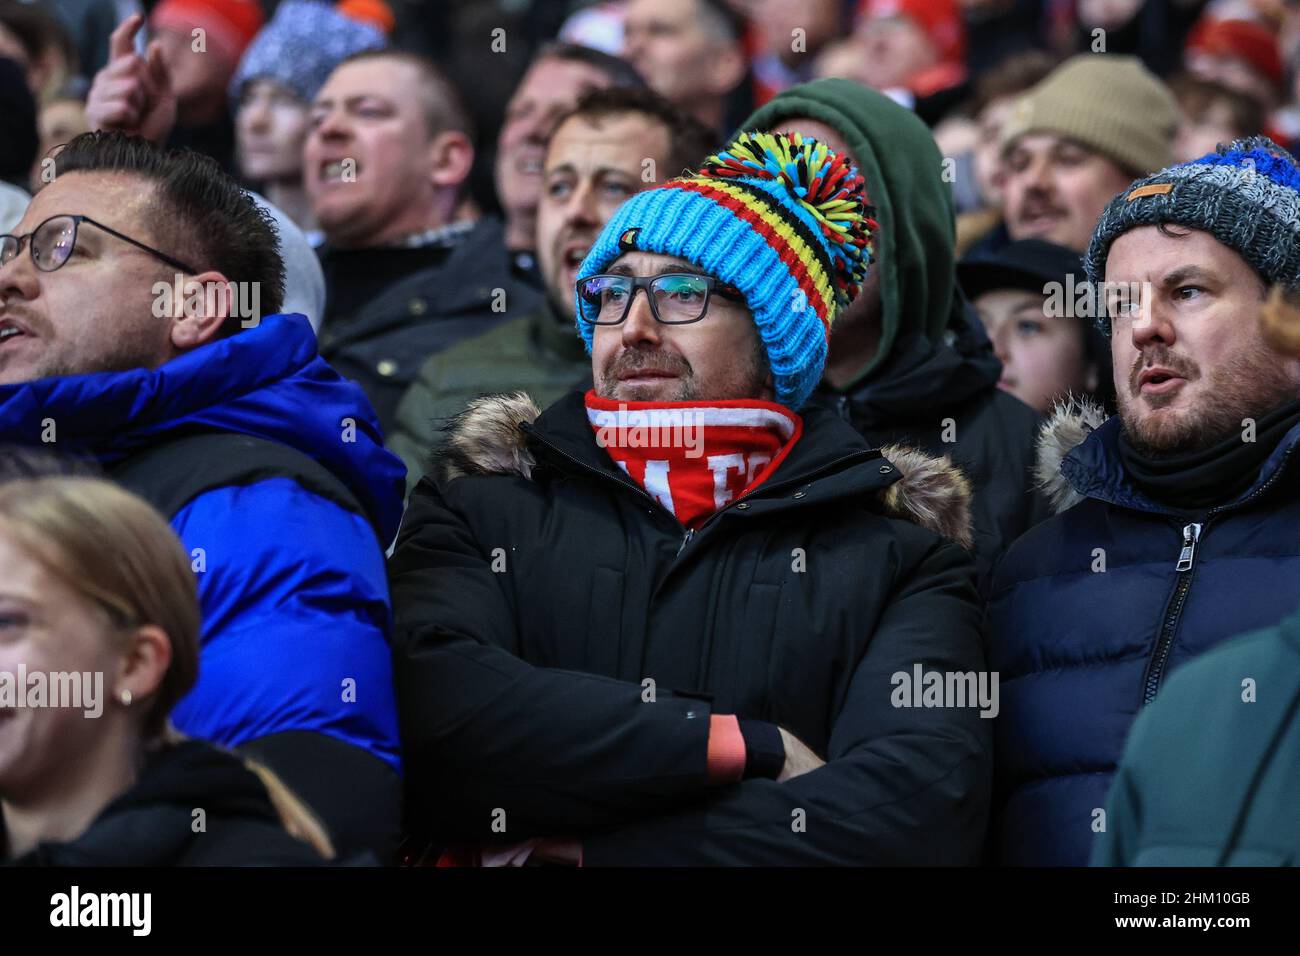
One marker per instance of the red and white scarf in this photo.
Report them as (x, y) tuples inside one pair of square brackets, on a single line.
[(695, 457)]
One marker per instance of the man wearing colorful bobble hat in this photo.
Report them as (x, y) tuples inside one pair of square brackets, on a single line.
[(684, 619)]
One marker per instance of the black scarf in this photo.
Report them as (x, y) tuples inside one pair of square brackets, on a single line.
[(1211, 476)]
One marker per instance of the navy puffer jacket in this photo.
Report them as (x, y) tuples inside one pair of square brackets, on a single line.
[(1092, 609)]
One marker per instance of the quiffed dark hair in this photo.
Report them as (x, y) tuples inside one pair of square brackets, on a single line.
[(201, 216), (689, 141)]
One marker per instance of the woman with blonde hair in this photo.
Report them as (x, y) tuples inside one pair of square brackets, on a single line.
[(99, 631)]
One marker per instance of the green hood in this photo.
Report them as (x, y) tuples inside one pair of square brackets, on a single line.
[(901, 164)]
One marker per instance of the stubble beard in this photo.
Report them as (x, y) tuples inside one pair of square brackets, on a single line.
[(1246, 386), (749, 383)]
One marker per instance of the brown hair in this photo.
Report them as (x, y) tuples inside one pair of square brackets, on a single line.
[(689, 141), (1196, 97), (116, 551), (1011, 76)]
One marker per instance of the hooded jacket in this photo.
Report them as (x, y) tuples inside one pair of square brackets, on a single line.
[(292, 586), (1226, 794), (932, 381), (562, 643), (152, 824), (1091, 610)]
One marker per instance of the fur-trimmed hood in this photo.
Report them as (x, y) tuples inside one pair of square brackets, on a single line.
[(486, 439), (1070, 423)]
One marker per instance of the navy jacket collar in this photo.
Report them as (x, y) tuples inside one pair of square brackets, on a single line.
[(1093, 469)]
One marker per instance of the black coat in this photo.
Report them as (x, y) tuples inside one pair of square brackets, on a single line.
[(153, 823), (384, 341), (523, 691), (943, 398)]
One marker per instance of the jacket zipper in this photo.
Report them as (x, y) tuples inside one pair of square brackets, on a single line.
[(1186, 557), (1191, 534)]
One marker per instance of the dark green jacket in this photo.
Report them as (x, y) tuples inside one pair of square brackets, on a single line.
[(932, 381), (540, 354), (1209, 777)]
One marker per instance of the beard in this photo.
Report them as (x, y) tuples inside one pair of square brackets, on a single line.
[(1247, 385), (119, 354), (747, 381)]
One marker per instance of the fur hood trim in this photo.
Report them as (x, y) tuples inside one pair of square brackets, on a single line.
[(1071, 422), (485, 439)]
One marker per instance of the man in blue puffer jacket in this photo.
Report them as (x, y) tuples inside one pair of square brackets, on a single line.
[(1177, 519), (269, 464)]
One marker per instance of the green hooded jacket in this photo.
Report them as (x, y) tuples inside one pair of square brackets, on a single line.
[(932, 381), (901, 164)]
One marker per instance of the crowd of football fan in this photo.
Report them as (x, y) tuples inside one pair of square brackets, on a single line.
[(929, 507)]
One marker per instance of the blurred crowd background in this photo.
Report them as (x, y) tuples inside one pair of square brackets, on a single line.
[(1179, 77), (958, 63)]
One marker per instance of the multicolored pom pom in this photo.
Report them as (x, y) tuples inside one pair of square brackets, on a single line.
[(827, 185)]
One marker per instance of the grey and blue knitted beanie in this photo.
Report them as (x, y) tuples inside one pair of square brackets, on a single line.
[(1245, 194)]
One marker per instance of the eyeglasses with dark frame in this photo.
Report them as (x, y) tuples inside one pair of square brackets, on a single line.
[(52, 242), (676, 298)]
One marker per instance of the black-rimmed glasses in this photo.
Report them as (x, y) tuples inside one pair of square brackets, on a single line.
[(676, 298), (51, 244)]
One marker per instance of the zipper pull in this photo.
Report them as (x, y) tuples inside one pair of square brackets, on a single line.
[(690, 533), (1191, 534)]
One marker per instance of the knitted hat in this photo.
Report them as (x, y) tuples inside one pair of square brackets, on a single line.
[(229, 25), (301, 46), (1111, 104), (1244, 40), (377, 13), (940, 20), (781, 218), (1245, 194)]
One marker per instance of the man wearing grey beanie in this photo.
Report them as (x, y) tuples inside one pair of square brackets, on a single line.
[(1076, 139), (1175, 523)]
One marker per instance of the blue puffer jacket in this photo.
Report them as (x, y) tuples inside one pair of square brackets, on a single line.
[(1092, 609), (294, 593)]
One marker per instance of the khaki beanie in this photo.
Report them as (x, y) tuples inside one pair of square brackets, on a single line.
[(1111, 104)]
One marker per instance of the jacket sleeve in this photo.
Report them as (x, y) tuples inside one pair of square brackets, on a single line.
[(492, 739), (901, 785), (295, 620), (294, 662)]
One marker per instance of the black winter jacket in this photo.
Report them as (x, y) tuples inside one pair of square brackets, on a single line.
[(539, 591), (466, 289), (153, 823), (943, 398)]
